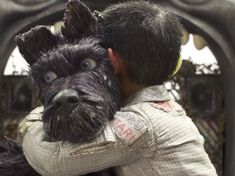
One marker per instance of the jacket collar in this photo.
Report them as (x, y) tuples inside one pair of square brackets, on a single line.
[(148, 94)]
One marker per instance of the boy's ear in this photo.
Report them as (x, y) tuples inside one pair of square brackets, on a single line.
[(79, 21), (116, 61), (35, 43)]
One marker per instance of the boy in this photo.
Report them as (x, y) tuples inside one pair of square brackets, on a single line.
[(151, 134)]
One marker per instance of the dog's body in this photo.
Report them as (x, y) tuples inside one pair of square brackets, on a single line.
[(78, 88)]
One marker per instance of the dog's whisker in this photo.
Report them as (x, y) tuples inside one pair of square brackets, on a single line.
[(47, 108)]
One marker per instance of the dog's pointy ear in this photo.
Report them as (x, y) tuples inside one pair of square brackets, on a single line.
[(79, 21), (35, 43)]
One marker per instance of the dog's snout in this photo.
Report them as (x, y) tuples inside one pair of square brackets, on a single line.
[(66, 98)]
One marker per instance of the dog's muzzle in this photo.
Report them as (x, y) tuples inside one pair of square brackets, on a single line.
[(65, 99)]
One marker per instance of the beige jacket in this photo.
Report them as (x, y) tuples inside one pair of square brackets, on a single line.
[(150, 136)]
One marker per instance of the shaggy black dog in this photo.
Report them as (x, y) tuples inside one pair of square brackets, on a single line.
[(78, 88)]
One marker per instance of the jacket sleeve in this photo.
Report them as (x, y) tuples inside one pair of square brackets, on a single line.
[(63, 158)]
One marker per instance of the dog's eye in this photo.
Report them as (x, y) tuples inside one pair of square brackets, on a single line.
[(88, 64), (49, 76)]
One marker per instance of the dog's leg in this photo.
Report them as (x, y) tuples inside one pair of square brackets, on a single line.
[(12, 160)]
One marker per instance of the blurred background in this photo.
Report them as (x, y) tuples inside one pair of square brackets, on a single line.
[(204, 86)]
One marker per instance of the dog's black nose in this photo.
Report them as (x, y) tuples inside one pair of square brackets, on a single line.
[(65, 98)]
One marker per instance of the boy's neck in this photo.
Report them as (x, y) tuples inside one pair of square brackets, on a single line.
[(129, 87)]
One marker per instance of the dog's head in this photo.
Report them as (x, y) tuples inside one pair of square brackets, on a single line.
[(78, 88)]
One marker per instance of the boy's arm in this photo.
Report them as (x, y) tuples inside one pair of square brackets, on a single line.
[(63, 158)]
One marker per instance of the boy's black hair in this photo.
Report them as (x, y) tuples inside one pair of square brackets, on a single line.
[(147, 37)]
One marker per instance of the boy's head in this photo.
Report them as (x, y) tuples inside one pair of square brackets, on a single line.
[(146, 37)]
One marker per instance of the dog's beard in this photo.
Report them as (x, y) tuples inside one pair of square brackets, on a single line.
[(83, 122)]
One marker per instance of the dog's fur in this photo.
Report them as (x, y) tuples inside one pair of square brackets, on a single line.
[(78, 88)]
